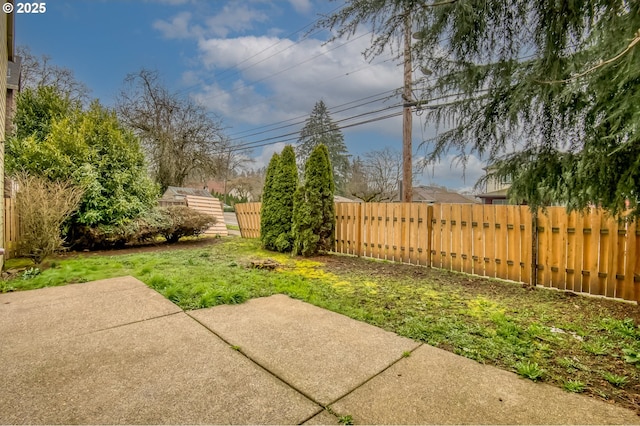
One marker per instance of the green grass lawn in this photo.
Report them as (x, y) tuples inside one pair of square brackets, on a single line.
[(582, 344)]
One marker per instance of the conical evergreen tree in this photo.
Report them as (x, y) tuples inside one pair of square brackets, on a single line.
[(314, 210), (320, 129), (285, 186), (280, 187), (267, 209)]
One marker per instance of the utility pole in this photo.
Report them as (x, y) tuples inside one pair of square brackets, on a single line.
[(407, 117)]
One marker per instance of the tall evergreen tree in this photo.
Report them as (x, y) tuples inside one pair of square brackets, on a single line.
[(314, 218), (267, 213), (546, 90), (277, 206), (320, 129)]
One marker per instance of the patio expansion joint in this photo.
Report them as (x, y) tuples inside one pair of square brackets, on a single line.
[(321, 407), (131, 323), (374, 376)]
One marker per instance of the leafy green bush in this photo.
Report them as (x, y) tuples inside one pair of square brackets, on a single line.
[(182, 221), (139, 230), (172, 223), (59, 141)]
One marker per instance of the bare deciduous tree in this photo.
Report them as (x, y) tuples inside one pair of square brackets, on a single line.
[(249, 184), (180, 136), (40, 71), (376, 178), (229, 162)]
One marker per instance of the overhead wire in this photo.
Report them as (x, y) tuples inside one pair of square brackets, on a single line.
[(252, 144), (335, 110)]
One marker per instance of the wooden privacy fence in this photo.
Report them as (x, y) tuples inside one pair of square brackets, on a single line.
[(11, 230), (589, 253), (248, 215)]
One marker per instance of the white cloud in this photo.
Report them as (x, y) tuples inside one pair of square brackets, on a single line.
[(254, 80), (179, 27), (234, 17), (263, 159), (292, 76), (301, 6)]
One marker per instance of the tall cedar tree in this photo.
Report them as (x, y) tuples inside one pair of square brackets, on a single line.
[(266, 210), (320, 129), (546, 90), (277, 206), (314, 218)]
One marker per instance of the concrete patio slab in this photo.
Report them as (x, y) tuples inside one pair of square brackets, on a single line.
[(323, 354), (434, 386), (168, 370), (323, 418), (56, 312)]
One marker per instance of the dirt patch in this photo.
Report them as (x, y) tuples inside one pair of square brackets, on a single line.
[(582, 304)]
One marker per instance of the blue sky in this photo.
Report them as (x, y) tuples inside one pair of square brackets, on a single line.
[(251, 62)]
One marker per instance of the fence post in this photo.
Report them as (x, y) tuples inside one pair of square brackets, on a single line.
[(429, 234), (359, 230), (534, 249)]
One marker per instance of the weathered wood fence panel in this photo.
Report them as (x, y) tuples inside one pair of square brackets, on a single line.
[(592, 253), (248, 215), (210, 206), (348, 228), (589, 253), (11, 228), (486, 240)]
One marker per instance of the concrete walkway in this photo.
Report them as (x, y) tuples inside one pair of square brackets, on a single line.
[(115, 351)]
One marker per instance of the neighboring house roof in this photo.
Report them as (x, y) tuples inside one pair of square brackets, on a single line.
[(341, 199), (179, 193), (434, 194)]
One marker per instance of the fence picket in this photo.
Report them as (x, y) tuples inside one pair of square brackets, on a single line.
[(502, 241), (488, 225), (456, 236), (621, 270), (574, 264), (466, 239), (526, 235), (477, 255)]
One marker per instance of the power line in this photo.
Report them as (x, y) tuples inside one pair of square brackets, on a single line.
[(305, 116), (395, 114), (252, 144), (289, 137), (342, 75)]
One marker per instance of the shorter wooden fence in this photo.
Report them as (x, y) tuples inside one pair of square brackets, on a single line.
[(588, 253), (248, 215), (11, 229)]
